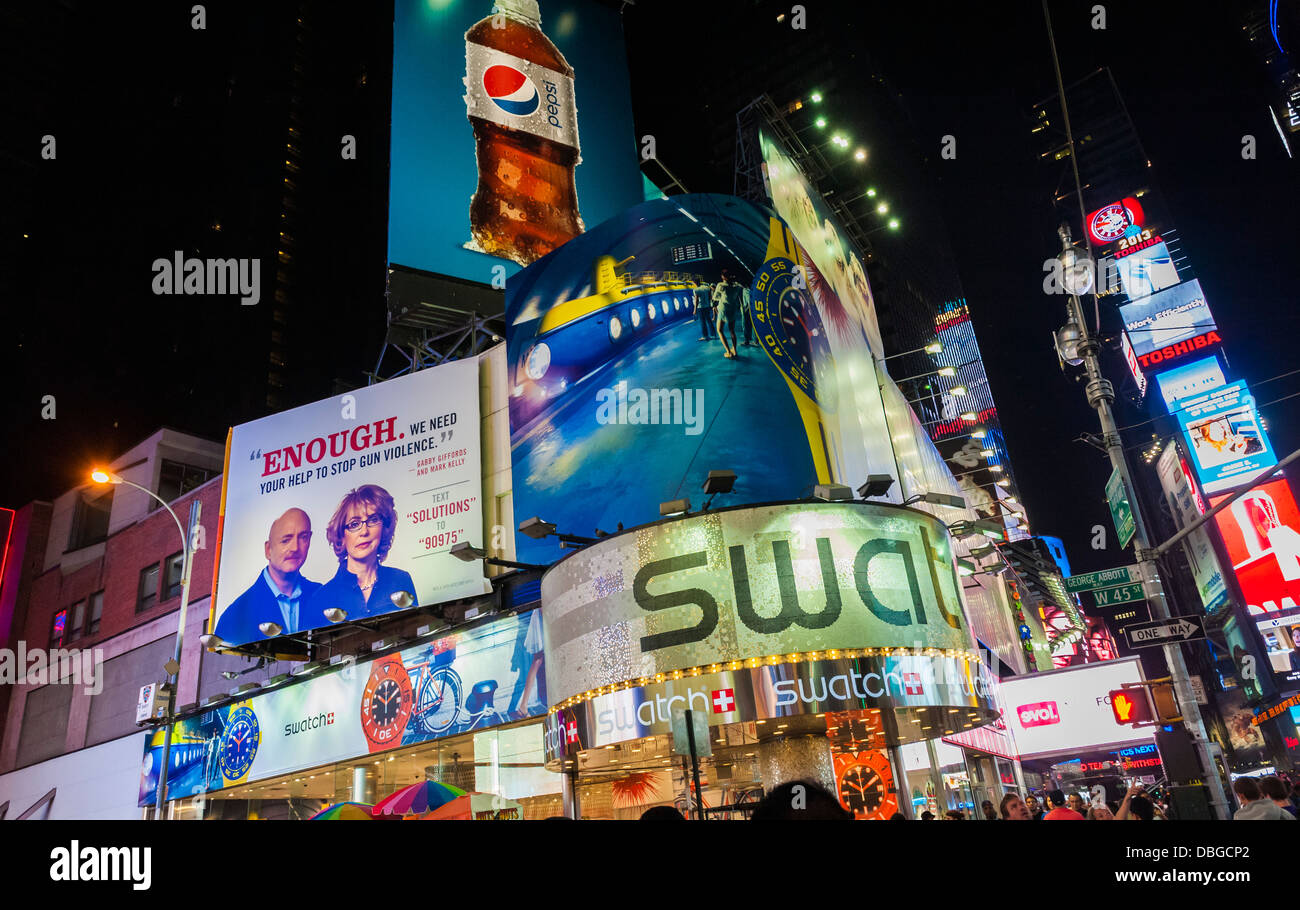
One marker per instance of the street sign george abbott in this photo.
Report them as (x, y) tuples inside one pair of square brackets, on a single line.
[(1165, 631), (1106, 578)]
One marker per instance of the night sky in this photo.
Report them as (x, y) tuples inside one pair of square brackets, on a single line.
[(122, 364)]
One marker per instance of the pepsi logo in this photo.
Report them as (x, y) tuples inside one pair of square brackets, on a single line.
[(1039, 714), (511, 90)]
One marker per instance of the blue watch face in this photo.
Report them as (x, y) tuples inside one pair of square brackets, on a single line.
[(791, 329), (239, 743)]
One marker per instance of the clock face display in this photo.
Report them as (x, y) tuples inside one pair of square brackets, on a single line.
[(239, 743), (386, 703), (790, 328), (866, 784)]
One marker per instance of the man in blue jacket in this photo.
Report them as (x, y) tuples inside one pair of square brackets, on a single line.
[(279, 592)]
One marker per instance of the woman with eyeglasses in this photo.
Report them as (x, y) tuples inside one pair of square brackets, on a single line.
[(361, 534)]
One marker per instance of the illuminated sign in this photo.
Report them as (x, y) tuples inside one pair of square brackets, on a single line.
[(1130, 358), (1176, 351), (1167, 320), (315, 499), (465, 680), (1145, 268), (861, 685), (1115, 221), (532, 123), (1191, 379), (1224, 436), (1261, 532), (1180, 494), (1082, 698), (1038, 714), (1275, 710), (742, 584)]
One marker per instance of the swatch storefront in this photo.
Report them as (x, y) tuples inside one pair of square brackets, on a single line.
[(464, 708), (815, 637)]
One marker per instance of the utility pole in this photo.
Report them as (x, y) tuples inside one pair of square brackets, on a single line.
[(1101, 395)]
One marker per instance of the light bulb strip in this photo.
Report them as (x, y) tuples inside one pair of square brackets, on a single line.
[(752, 663)]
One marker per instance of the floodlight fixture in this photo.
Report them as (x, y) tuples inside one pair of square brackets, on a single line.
[(876, 485)]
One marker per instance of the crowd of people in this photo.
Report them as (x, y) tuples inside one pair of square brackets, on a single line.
[(1270, 798)]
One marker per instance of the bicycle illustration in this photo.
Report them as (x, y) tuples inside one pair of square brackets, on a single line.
[(439, 691)]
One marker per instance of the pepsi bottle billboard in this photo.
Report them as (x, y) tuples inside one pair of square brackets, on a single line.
[(512, 128)]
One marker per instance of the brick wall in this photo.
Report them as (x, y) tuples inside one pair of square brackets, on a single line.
[(117, 573)]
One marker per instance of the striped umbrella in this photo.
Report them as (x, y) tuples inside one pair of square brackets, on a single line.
[(418, 798), (344, 812)]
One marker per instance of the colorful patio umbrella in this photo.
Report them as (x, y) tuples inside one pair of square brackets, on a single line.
[(477, 807), (417, 798), (344, 812)]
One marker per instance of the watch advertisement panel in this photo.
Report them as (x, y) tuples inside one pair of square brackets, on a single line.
[(740, 584), (1201, 558), (532, 119), (687, 335), (1069, 710), (1223, 434), (348, 502), (485, 676), (1168, 319), (954, 693), (1261, 532)]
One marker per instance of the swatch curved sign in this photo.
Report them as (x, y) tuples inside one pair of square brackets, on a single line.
[(744, 583)]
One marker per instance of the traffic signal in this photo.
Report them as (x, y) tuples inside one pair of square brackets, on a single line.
[(1166, 703), (1131, 706)]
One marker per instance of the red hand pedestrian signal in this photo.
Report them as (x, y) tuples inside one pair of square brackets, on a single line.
[(1130, 706), (1123, 708)]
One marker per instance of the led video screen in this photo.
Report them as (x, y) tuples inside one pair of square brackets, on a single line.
[(505, 140)]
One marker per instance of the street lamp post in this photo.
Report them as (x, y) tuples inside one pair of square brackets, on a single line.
[(1078, 279), (174, 665), (1101, 395)]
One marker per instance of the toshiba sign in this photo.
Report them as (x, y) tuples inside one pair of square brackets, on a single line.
[(1065, 712)]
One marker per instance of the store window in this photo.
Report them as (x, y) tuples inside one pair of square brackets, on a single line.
[(504, 761)]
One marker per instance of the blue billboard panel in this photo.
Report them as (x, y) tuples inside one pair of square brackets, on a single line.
[(526, 111), (1223, 433), (1167, 319), (1193, 379), (1146, 271), (683, 336)]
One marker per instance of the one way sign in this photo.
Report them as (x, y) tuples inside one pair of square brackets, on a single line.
[(1165, 631)]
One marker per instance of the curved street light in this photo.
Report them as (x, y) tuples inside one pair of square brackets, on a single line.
[(174, 665)]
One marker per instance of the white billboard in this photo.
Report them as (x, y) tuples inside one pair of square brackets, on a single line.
[(346, 503), (1062, 712)]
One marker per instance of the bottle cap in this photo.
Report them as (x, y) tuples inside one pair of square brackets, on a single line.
[(527, 10)]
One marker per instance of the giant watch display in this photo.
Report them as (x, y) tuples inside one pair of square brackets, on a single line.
[(386, 703), (790, 329)]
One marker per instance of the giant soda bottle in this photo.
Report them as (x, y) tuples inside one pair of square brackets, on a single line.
[(519, 95)]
